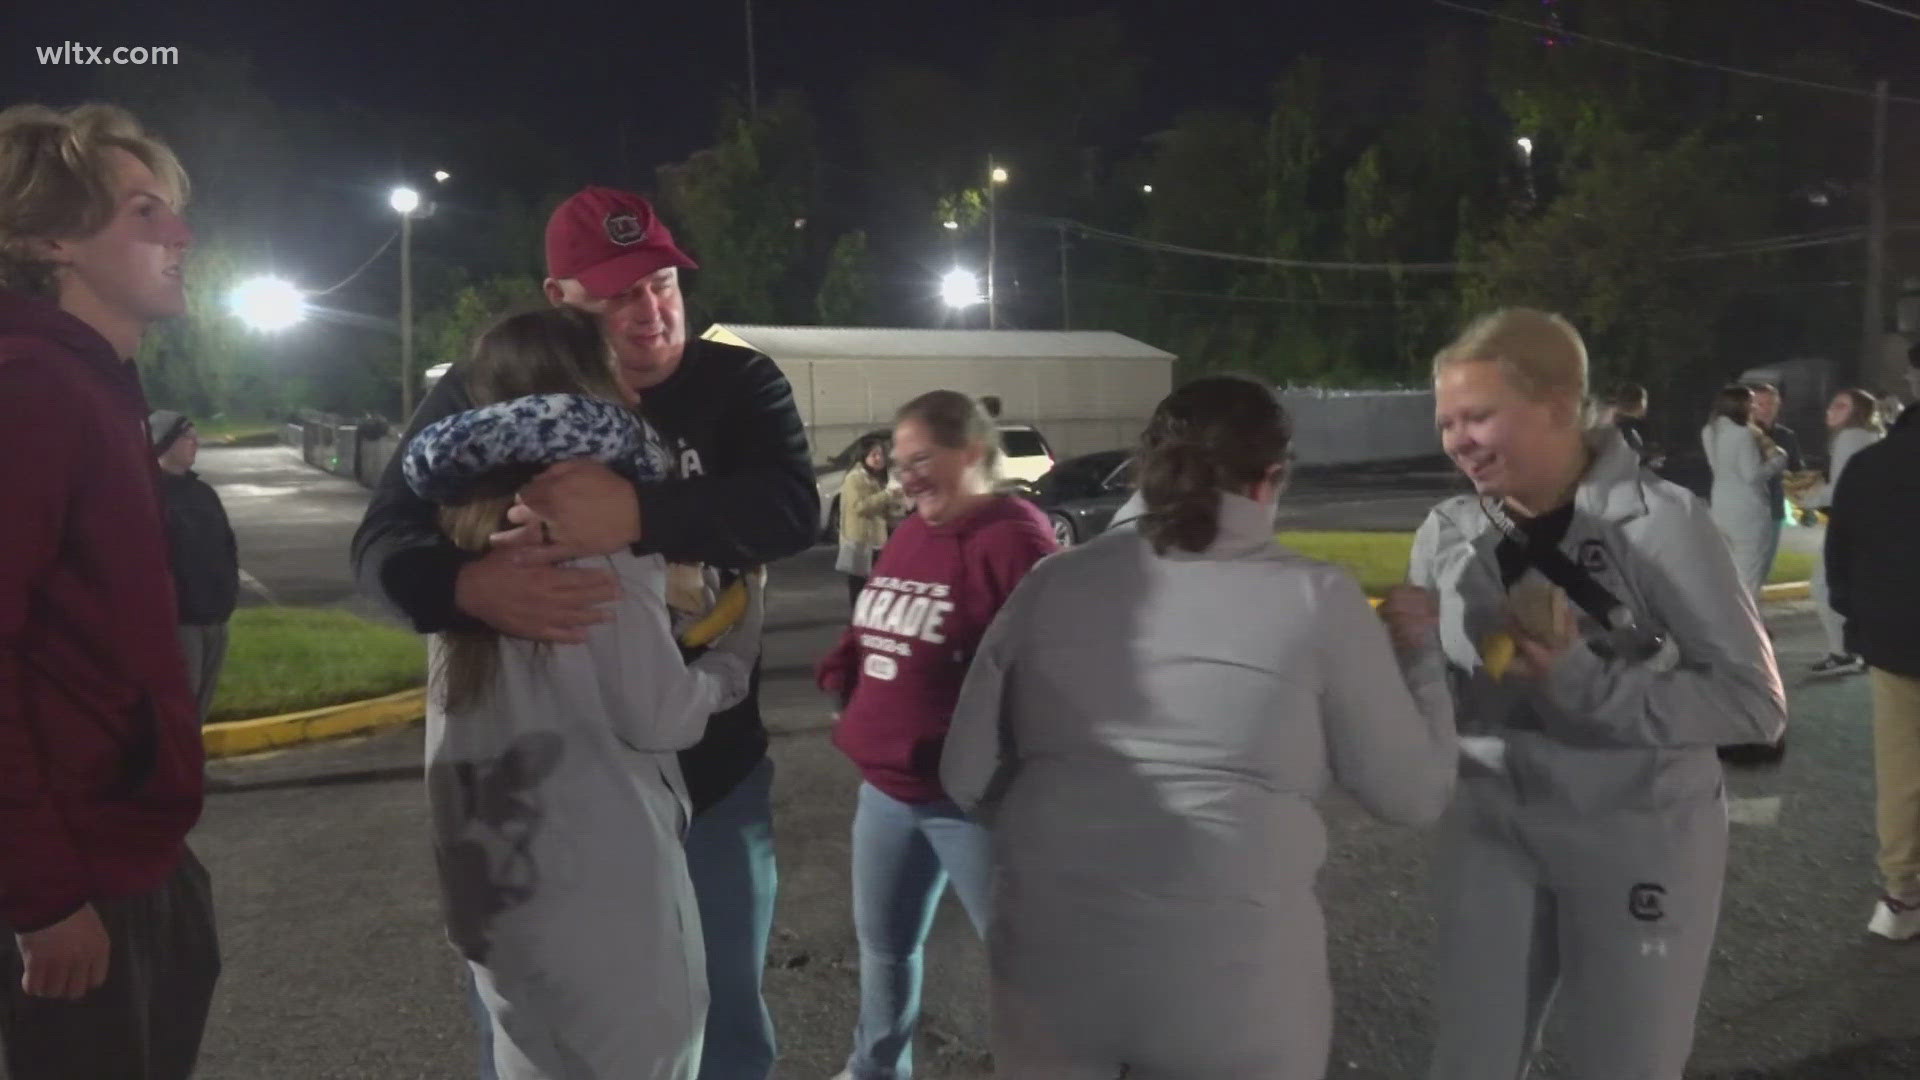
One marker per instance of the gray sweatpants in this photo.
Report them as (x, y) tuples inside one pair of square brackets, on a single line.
[(1616, 911), (206, 652)]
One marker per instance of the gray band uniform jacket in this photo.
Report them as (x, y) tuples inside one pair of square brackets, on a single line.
[(1146, 736), (1588, 833)]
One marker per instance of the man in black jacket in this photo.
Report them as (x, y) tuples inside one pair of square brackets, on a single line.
[(746, 498), (1873, 579), (206, 558)]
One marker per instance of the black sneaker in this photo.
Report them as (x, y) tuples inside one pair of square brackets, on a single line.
[(1839, 665)]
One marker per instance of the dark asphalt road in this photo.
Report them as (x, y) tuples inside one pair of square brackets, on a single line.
[(336, 966)]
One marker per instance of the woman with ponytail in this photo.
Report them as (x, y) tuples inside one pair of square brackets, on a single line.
[(1146, 729)]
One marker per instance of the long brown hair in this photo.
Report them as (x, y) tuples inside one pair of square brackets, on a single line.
[(1735, 402), (1864, 411), (1214, 434), (557, 350)]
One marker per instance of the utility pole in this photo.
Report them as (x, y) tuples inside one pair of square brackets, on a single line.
[(406, 318), (753, 75), (996, 175), (1066, 298), (1873, 321)]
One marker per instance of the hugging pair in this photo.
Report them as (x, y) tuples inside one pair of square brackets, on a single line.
[(558, 803)]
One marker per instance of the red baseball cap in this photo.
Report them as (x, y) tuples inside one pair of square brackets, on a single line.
[(607, 240)]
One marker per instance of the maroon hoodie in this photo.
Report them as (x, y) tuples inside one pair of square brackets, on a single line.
[(933, 592), (100, 753)]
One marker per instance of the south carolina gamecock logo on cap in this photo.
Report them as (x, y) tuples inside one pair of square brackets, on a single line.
[(624, 228)]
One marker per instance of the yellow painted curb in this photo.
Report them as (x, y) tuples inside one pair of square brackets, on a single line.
[(234, 737)]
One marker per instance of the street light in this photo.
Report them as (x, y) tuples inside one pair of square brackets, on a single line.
[(950, 224), (266, 304), (405, 201), (1526, 146), (441, 176), (996, 175), (1146, 189), (960, 289)]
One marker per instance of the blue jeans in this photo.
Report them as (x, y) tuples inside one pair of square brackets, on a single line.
[(730, 858), (903, 854), (1772, 549)]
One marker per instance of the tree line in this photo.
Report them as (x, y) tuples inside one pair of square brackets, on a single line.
[(1371, 200)]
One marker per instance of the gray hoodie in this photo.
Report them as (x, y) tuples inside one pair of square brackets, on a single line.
[(1608, 734), (559, 811), (1147, 736)]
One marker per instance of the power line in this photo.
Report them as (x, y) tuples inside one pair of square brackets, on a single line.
[(1766, 245), (1291, 301), (349, 278), (1642, 50), (1914, 15)]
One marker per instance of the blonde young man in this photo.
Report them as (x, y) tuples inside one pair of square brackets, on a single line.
[(110, 958)]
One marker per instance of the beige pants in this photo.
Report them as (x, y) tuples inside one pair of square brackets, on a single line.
[(1896, 768)]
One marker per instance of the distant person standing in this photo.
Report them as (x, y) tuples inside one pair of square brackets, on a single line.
[(108, 956), (1873, 582), (867, 511), (1853, 421), (1745, 464), (206, 558), (1766, 417), (1629, 406)]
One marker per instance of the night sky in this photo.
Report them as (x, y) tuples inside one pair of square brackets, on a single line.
[(575, 70), (568, 67)]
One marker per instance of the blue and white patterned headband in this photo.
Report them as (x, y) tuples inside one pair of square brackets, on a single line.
[(448, 459)]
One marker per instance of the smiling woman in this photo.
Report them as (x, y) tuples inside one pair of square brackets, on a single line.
[(1593, 760)]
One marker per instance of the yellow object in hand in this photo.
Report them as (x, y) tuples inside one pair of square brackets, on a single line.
[(1497, 653), (726, 611)]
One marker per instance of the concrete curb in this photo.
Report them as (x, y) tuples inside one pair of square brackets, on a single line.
[(235, 737)]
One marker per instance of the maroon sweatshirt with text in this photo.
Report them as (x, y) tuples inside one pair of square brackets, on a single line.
[(900, 664)]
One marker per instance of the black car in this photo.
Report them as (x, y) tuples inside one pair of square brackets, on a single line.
[(1081, 495)]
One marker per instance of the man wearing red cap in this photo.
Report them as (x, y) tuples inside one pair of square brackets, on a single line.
[(745, 498)]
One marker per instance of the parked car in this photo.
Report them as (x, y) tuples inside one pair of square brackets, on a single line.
[(1025, 454), (1081, 495), (1025, 458)]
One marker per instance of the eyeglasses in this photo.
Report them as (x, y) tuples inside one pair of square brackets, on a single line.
[(918, 465)]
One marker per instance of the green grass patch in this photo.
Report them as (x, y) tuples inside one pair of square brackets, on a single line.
[(283, 660), (1379, 559), (242, 430)]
